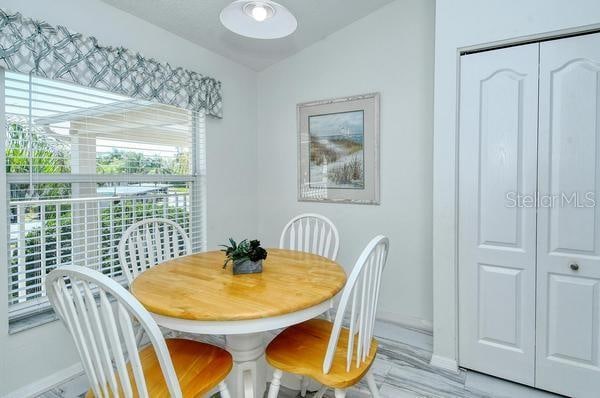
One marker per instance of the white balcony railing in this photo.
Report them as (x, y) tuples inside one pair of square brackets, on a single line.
[(45, 234)]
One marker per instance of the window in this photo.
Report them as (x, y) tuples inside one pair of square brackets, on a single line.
[(82, 165)]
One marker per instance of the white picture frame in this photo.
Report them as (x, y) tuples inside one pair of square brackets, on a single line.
[(338, 150)]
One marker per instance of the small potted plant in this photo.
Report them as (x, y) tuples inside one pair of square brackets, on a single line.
[(247, 256)]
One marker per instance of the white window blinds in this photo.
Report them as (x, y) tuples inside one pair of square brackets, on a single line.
[(82, 165)]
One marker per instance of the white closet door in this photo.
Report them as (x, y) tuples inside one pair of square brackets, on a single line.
[(568, 311), (497, 162)]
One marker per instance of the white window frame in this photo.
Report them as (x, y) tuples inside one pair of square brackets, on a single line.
[(197, 194)]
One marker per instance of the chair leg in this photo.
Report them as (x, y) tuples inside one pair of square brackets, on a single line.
[(303, 385), (321, 392), (223, 390), (372, 385), (340, 393), (275, 384)]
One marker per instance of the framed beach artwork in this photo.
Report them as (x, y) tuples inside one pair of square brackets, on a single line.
[(338, 153)]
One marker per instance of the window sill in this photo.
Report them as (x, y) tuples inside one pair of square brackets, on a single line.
[(31, 321)]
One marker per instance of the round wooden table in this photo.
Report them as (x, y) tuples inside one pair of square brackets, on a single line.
[(195, 294)]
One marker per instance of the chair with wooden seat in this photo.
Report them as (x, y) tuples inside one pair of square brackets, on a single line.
[(99, 313), (150, 242), (335, 356), (313, 233)]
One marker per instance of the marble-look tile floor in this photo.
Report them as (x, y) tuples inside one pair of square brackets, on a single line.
[(401, 370)]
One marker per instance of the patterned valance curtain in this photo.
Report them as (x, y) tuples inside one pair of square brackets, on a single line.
[(30, 46)]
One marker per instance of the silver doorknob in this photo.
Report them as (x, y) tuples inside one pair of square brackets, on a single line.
[(574, 266)]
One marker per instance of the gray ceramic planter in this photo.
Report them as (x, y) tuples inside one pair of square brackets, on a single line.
[(247, 267)]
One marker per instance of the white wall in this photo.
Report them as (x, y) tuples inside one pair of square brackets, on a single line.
[(231, 160), (463, 23), (389, 51)]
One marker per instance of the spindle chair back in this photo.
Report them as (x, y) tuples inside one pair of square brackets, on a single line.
[(149, 242), (360, 298), (311, 233)]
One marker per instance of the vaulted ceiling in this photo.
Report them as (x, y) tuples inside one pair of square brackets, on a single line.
[(198, 21)]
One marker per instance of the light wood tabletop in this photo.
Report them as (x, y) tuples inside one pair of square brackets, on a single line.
[(196, 287)]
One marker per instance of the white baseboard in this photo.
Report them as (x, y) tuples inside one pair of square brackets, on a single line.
[(46, 383), (424, 326), (409, 322), (444, 363)]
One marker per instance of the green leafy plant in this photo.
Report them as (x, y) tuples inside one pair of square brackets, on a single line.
[(245, 250)]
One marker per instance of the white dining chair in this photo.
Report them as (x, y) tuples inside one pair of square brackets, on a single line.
[(337, 357), (98, 313), (150, 242), (311, 233)]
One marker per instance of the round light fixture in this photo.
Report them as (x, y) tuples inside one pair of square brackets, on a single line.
[(258, 19)]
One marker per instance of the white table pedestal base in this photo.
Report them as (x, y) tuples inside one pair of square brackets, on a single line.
[(248, 378), (245, 340)]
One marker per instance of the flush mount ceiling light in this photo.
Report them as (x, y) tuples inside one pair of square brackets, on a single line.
[(258, 19)]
